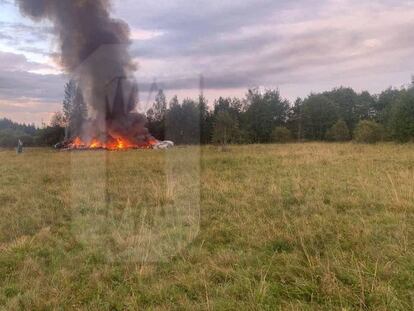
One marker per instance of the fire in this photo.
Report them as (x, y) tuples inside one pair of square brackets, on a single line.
[(95, 144), (111, 144), (77, 143), (120, 144)]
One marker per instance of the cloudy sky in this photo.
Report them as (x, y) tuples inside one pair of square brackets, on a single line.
[(295, 46)]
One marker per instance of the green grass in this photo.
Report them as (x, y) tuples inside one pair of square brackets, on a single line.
[(282, 227)]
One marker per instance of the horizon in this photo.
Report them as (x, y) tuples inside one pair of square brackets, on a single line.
[(211, 102), (235, 46)]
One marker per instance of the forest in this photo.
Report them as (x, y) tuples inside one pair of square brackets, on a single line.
[(262, 116)]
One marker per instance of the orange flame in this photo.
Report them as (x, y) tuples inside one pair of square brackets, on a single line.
[(116, 144)]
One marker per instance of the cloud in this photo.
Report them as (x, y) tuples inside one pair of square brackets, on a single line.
[(18, 62), (22, 84), (29, 97), (19, 33), (270, 42), (27, 110), (295, 45)]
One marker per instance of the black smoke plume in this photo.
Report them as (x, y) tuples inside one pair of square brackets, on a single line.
[(94, 49)]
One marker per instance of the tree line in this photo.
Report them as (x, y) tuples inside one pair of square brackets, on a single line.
[(262, 116), (63, 124), (265, 117)]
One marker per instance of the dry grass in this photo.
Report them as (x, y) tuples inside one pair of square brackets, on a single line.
[(282, 227)]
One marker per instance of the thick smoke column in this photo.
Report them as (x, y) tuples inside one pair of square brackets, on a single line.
[(94, 48), (82, 26)]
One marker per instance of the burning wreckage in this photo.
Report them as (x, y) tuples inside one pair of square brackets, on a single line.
[(94, 50), (119, 127), (112, 145)]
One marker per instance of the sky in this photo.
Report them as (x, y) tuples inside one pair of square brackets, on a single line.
[(297, 47)]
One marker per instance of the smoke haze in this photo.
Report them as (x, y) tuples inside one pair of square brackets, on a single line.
[(94, 49)]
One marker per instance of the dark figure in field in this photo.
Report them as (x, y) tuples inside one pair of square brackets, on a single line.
[(19, 148)]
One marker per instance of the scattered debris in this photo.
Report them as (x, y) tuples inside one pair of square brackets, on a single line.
[(166, 144)]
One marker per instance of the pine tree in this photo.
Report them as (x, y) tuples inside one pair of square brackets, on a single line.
[(74, 109)]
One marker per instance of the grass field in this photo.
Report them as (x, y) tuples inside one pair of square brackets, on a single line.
[(278, 227)]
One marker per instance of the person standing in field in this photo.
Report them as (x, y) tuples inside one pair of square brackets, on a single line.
[(19, 148)]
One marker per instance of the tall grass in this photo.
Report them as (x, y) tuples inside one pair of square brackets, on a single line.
[(283, 227)]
